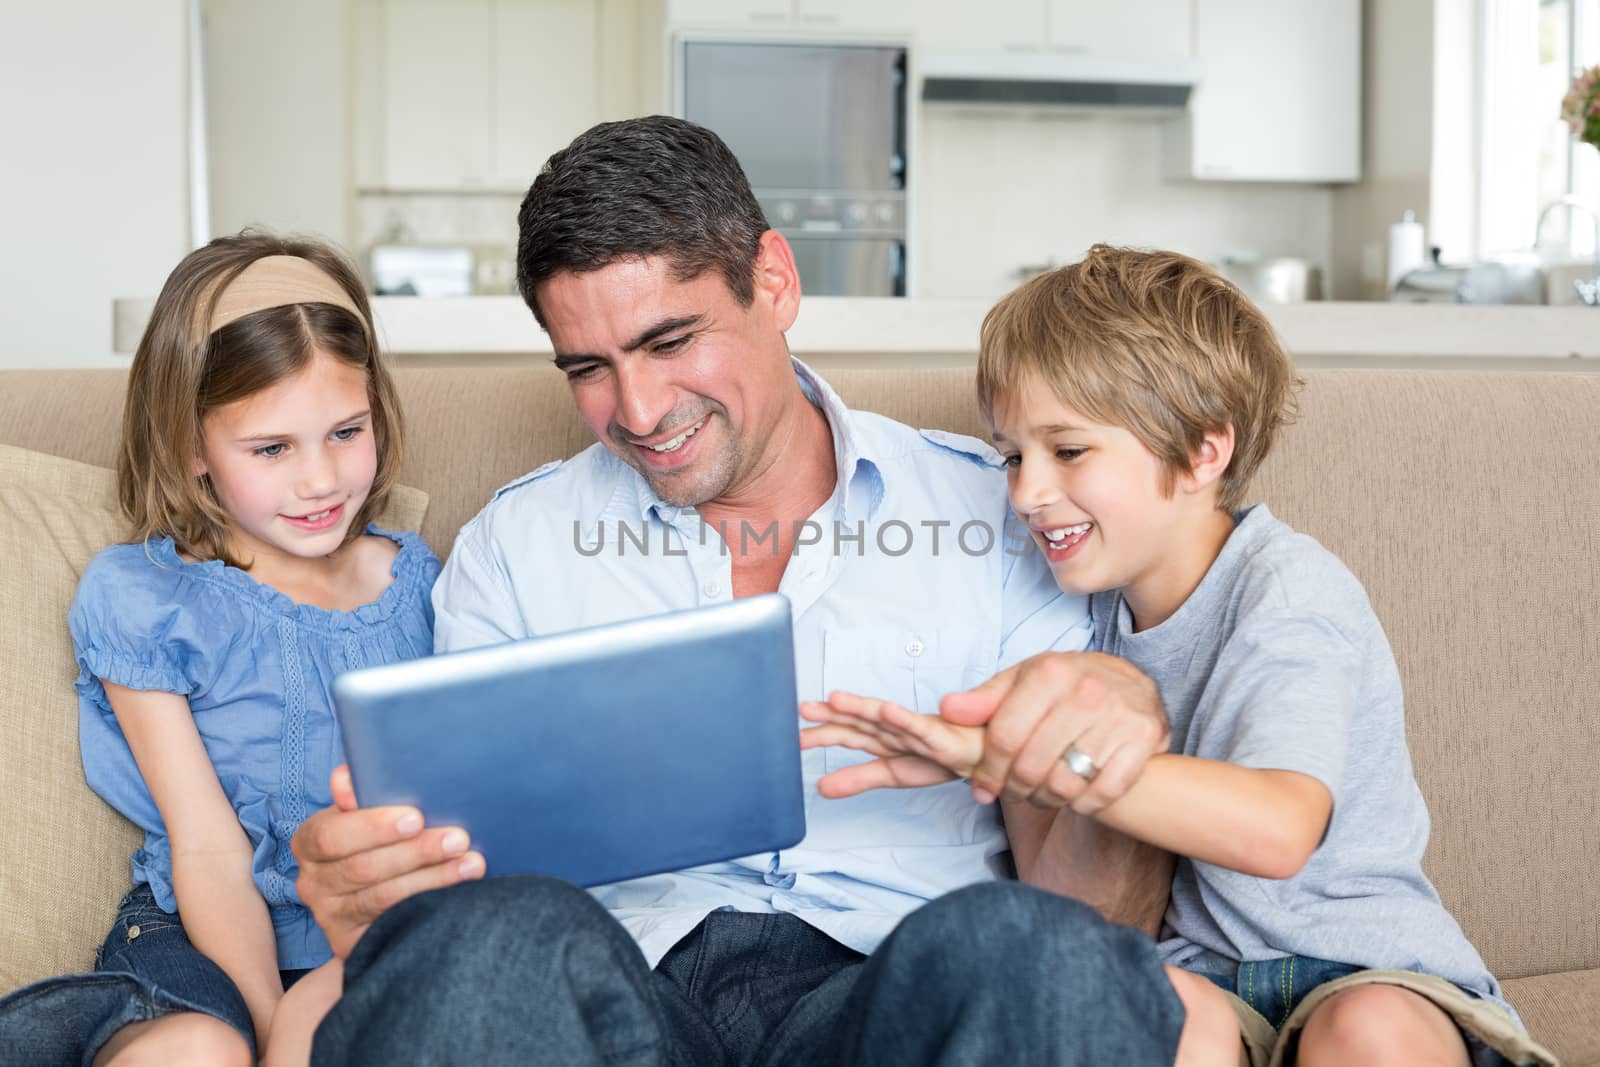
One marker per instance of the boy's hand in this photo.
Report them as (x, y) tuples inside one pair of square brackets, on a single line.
[(356, 863), (1033, 713), (912, 750)]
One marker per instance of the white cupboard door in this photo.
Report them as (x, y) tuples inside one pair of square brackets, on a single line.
[(366, 89), (1141, 29), (1280, 99), (436, 93), (721, 14), (887, 17), (962, 24), (545, 90)]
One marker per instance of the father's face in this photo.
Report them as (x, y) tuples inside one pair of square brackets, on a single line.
[(675, 377)]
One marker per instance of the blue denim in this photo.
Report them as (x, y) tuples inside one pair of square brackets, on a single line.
[(1274, 988), (145, 969), (532, 970)]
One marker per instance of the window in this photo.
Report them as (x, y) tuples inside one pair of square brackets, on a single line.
[(1528, 157)]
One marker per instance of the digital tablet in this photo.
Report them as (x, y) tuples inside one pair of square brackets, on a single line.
[(599, 754)]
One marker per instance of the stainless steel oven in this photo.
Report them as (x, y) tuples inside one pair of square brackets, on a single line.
[(820, 130)]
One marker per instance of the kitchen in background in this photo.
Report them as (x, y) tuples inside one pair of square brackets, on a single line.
[(1250, 133), (820, 130), (454, 105)]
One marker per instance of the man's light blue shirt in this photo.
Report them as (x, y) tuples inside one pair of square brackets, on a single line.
[(918, 583)]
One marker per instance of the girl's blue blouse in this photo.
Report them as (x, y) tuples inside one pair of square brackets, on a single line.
[(256, 668)]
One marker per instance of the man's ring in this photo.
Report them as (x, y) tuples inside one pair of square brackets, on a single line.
[(1079, 763)]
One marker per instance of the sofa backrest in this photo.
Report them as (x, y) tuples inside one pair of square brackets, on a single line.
[(1469, 504)]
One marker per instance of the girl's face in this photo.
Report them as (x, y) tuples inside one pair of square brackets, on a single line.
[(293, 463)]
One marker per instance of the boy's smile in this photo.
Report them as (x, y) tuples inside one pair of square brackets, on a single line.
[(1096, 501)]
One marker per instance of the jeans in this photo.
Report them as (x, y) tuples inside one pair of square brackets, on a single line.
[(531, 970), (1274, 988), (145, 969)]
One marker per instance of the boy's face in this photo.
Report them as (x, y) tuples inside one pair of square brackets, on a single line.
[(1091, 495)]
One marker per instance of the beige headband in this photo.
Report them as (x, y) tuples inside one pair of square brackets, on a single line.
[(277, 281)]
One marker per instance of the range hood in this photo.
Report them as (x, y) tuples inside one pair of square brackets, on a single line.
[(1027, 78)]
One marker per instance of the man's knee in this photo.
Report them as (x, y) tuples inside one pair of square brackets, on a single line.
[(490, 925), (1004, 920), (513, 964), (523, 904), (1006, 968), (1039, 939)]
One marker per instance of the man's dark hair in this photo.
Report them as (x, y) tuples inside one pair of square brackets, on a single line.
[(641, 187)]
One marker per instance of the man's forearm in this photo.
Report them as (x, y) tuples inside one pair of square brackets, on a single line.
[(1124, 879)]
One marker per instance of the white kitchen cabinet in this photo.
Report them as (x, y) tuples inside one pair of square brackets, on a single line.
[(794, 17), (436, 86), (470, 95), (855, 16), (1013, 24), (1128, 28), (729, 14), (1134, 28), (1280, 96), (545, 88)]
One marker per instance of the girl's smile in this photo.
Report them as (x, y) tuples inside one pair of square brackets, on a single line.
[(293, 464)]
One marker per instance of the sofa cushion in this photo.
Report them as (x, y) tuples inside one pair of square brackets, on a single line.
[(63, 852), (1562, 1010)]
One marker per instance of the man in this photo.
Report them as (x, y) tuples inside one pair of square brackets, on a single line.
[(644, 255)]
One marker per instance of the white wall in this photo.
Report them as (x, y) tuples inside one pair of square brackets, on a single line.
[(94, 189), (1002, 189), (277, 116)]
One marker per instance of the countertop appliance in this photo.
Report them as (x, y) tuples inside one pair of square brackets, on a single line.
[(820, 130), (1509, 280), (1281, 280)]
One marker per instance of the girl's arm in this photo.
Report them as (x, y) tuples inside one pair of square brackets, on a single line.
[(223, 914), (1259, 822)]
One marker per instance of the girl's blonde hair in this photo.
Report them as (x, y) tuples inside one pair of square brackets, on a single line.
[(1154, 342), (181, 373)]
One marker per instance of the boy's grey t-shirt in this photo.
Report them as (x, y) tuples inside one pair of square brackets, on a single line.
[(1277, 661)]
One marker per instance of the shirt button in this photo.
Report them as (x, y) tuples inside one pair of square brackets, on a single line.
[(914, 647), (712, 588)]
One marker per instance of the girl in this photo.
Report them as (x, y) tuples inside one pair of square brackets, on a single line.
[(261, 435)]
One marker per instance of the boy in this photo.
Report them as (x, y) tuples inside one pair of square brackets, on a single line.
[(1132, 397)]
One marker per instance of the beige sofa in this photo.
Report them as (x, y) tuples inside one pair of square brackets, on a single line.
[(1469, 504)]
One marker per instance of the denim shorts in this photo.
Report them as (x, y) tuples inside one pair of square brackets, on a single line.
[(145, 969), (1275, 987), (1267, 992)]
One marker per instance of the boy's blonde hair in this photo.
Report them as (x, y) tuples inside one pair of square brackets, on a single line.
[(1154, 342), (181, 373)]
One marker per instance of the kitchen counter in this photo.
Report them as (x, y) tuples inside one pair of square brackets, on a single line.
[(840, 330)]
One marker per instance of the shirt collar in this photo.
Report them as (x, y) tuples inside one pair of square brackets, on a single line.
[(860, 477)]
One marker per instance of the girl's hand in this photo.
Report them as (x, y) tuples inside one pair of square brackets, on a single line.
[(913, 750)]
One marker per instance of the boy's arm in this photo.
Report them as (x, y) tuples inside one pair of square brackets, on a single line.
[(1265, 823), (1260, 822), (223, 914), (1124, 879)]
